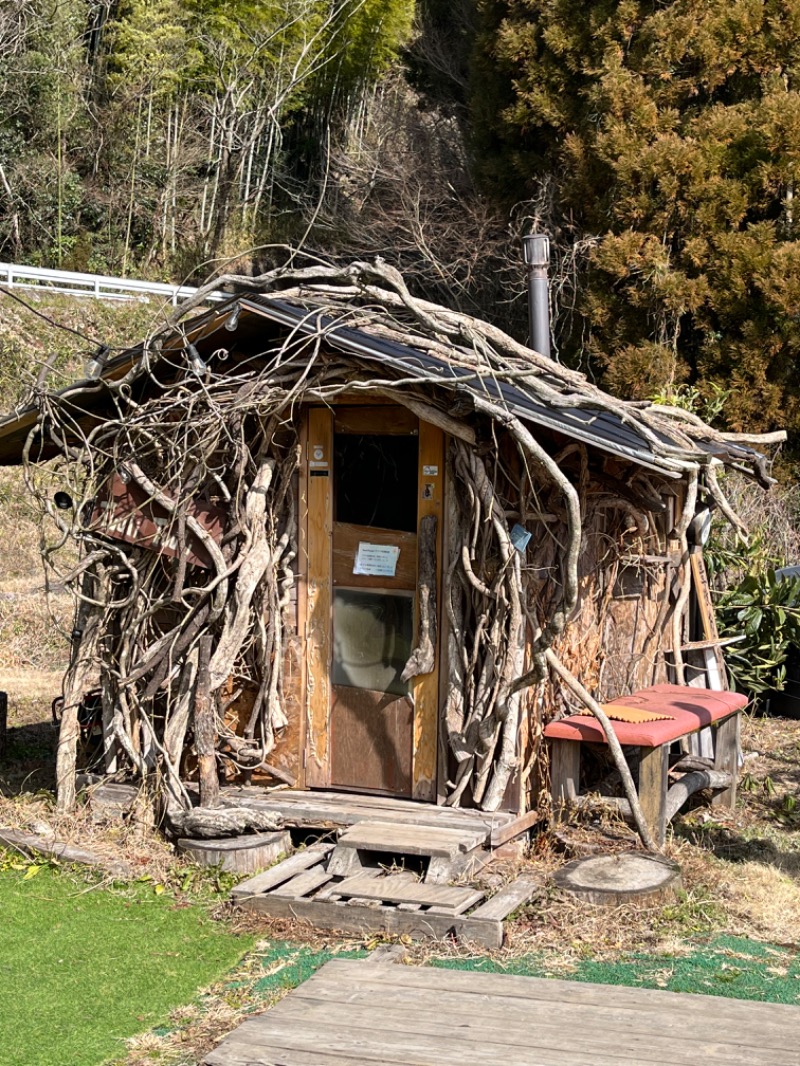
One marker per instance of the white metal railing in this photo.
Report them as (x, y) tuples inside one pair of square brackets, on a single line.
[(72, 283)]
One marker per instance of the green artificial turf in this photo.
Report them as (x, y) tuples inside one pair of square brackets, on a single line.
[(726, 966), (289, 965), (82, 968)]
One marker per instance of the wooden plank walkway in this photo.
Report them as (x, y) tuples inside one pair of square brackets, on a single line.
[(362, 1014)]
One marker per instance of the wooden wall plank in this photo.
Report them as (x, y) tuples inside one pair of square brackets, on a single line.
[(426, 686), (442, 746), (318, 460), (347, 537), (390, 421), (301, 577)]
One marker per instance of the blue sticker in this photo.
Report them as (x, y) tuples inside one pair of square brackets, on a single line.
[(520, 537)]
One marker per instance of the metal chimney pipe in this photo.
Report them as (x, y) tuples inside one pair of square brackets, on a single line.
[(536, 249)]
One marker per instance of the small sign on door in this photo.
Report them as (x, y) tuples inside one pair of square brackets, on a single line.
[(376, 560)]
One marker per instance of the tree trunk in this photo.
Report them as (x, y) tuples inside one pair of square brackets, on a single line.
[(205, 731)]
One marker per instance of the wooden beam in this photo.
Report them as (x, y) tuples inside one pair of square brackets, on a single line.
[(512, 830), (426, 686), (319, 463), (509, 898), (419, 925), (565, 769), (726, 758), (708, 621)]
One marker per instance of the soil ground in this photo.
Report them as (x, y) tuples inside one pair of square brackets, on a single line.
[(735, 930)]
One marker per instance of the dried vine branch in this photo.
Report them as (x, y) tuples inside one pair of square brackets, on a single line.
[(207, 445)]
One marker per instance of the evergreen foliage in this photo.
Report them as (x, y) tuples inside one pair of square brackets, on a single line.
[(664, 141)]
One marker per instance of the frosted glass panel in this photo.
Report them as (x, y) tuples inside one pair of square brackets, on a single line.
[(372, 639)]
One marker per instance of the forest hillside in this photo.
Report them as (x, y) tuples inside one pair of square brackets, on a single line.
[(657, 145)]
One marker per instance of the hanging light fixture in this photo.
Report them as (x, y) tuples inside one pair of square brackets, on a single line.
[(196, 362), (232, 321), (96, 363)]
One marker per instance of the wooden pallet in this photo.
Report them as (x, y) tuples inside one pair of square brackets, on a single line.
[(374, 900), (451, 854)]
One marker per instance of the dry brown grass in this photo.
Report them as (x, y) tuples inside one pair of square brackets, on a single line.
[(28, 688), (31, 629), (32, 625), (33, 633)]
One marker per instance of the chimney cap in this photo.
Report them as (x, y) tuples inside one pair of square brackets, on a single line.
[(536, 249)]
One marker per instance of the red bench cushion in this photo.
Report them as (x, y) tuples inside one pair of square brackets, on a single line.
[(690, 709)]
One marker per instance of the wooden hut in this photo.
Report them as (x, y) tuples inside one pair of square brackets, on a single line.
[(336, 539)]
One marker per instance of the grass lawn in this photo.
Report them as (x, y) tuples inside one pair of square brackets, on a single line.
[(83, 968)]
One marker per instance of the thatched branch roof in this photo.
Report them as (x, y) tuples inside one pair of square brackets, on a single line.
[(366, 312)]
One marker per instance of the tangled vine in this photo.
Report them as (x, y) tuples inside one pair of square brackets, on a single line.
[(172, 637)]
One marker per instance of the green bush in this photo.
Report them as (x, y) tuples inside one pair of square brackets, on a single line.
[(765, 612)]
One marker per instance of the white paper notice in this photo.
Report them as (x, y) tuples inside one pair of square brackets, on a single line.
[(378, 560)]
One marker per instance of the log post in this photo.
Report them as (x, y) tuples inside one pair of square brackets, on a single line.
[(78, 677), (205, 731), (726, 759)]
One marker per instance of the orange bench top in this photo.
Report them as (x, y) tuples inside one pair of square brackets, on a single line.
[(689, 709)]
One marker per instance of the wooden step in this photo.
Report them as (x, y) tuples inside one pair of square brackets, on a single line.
[(401, 889), (403, 839), (278, 875)]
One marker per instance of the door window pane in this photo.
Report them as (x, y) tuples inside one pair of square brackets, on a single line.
[(376, 480), (372, 639)]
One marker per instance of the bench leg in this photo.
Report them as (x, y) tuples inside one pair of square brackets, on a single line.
[(565, 770), (727, 758), (653, 769)]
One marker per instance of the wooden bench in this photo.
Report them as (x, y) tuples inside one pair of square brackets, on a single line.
[(689, 710)]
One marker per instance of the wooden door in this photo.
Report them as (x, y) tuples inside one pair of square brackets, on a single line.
[(373, 474)]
